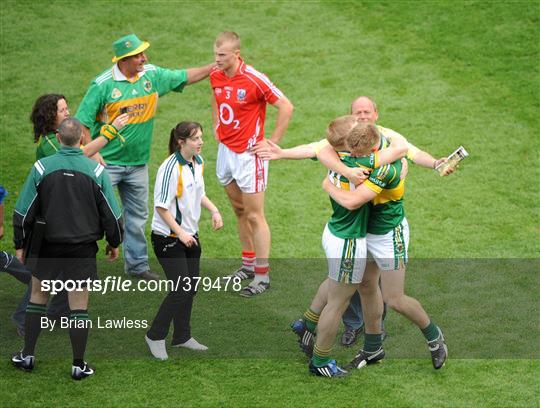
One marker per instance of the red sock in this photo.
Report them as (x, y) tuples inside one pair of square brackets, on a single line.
[(248, 260), (262, 269)]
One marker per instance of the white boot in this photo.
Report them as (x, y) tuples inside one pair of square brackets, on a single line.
[(192, 344), (157, 348)]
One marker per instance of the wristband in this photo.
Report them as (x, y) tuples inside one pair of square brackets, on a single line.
[(110, 132)]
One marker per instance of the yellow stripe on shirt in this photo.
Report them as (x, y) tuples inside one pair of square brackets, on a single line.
[(140, 110), (180, 186), (386, 195)]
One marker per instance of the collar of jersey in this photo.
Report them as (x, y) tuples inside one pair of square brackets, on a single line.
[(241, 68), (183, 161), (71, 151), (118, 76)]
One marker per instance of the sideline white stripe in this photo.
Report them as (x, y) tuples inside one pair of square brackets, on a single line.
[(98, 170), (39, 167)]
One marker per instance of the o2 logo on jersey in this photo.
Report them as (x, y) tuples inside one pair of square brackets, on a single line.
[(226, 115), (241, 94)]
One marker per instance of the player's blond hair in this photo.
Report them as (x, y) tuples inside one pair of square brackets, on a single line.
[(228, 37), (338, 130), (362, 139)]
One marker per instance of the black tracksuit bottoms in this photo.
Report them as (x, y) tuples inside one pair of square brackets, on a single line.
[(181, 265)]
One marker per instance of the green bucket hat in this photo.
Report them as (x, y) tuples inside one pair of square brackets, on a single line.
[(127, 46)]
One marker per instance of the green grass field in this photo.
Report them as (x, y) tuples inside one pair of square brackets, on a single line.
[(443, 73)]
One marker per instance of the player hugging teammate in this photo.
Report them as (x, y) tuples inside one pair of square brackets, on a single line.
[(368, 220)]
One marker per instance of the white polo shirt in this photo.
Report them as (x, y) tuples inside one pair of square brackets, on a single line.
[(179, 188)]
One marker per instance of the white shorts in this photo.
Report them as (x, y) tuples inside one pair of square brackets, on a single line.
[(248, 170), (390, 250), (346, 257)]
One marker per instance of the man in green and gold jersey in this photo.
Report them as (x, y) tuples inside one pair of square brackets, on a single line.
[(387, 243), (343, 241), (131, 86)]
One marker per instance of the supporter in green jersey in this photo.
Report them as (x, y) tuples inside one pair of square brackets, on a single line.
[(133, 86)]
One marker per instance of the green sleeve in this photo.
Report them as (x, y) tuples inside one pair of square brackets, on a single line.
[(29, 190), (108, 192), (109, 210), (26, 206), (90, 106), (170, 80), (384, 175)]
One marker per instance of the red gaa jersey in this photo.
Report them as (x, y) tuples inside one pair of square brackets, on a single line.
[(241, 102)]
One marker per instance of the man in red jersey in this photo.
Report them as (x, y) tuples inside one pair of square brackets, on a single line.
[(239, 108)]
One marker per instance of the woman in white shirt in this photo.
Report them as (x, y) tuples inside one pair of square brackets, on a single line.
[(178, 196)]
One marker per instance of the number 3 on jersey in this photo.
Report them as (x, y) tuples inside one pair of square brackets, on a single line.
[(226, 115)]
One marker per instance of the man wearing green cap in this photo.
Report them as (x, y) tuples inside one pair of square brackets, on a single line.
[(132, 86)]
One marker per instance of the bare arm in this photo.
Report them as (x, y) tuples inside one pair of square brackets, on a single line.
[(215, 122), (94, 146), (86, 139), (398, 148), (417, 156), (351, 200), (182, 235), (285, 110), (199, 73), (217, 221), (272, 151), (424, 159), (330, 159)]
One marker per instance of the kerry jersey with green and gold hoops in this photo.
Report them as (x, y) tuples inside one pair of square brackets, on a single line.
[(387, 209), (344, 223), (111, 93)]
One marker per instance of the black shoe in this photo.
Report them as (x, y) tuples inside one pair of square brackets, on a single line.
[(24, 363), (364, 358), (147, 275), (254, 289), (241, 273), (331, 370), (350, 336), (306, 338), (439, 351), (78, 373)]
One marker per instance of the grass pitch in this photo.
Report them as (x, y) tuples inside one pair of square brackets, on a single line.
[(442, 73)]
